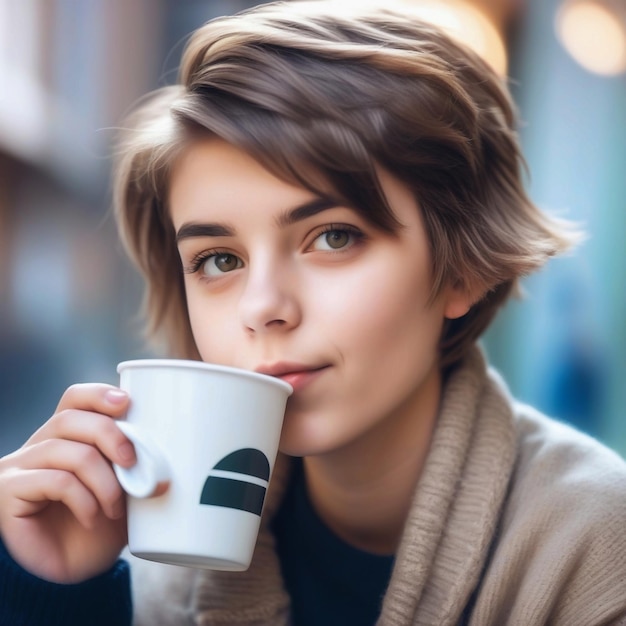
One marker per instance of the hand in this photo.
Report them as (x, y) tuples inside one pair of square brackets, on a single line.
[(62, 510)]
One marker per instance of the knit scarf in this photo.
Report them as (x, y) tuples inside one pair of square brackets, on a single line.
[(443, 550)]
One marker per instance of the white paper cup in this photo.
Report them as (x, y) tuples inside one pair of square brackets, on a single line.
[(212, 432)]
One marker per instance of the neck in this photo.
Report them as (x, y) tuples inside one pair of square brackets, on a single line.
[(363, 491)]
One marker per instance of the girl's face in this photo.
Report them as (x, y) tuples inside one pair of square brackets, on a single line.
[(284, 282)]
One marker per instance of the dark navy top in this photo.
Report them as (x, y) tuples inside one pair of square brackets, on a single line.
[(330, 582), (26, 600)]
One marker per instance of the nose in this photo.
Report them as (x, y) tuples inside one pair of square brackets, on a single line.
[(269, 302)]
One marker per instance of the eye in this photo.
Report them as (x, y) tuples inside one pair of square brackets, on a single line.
[(217, 264), (335, 238)]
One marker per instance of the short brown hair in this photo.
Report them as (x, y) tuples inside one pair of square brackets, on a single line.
[(308, 86)]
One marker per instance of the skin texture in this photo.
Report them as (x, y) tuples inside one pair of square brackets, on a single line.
[(339, 307), (62, 512), (316, 296)]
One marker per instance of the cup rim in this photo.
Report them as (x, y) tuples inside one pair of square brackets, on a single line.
[(201, 365)]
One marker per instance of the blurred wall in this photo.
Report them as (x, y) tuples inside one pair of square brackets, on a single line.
[(69, 299), (563, 347)]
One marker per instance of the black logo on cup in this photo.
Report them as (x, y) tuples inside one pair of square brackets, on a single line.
[(238, 481)]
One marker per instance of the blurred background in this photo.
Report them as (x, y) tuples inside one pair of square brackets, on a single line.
[(69, 300)]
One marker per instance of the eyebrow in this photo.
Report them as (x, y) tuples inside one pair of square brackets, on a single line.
[(212, 229), (194, 229)]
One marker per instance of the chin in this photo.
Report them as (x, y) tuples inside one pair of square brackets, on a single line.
[(300, 439), (299, 447)]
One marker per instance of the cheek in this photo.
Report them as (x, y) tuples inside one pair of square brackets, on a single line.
[(387, 320), (209, 322), (381, 297)]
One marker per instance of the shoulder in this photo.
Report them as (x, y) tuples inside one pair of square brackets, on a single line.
[(561, 544), (559, 470), (568, 468), (568, 487)]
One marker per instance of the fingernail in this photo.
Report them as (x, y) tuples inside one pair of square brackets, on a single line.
[(116, 396)]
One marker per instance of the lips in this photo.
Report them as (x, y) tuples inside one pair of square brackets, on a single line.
[(296, 374)]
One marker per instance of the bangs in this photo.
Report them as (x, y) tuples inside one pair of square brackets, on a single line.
[(320, 155)]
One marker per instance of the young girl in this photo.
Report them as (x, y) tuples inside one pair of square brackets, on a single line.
[(333, 196)]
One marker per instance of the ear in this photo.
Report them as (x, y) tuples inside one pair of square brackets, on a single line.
[(458, 300)]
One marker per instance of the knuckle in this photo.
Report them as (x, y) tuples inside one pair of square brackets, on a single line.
[(63, 481), (73, 391), (69, 420), (62, 419), (87, 455), (80, 395), (7, 462)]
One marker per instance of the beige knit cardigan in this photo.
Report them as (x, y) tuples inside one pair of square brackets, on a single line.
[(516, 520)]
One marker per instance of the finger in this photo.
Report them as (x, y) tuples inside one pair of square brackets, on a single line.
[(160, 489), (86, 463), (96, 397), (89, 428), (34, 490)]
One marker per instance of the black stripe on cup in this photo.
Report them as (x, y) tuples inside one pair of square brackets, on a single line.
[(234, 481)]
